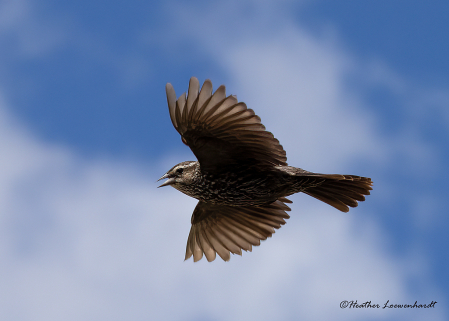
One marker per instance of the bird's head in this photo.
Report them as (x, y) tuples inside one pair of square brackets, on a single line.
[(180, 174)]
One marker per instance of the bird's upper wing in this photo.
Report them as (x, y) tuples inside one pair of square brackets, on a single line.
[(228, 229), (220, 130)]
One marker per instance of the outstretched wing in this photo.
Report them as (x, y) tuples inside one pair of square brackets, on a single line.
[(221, 131), (228, 229)]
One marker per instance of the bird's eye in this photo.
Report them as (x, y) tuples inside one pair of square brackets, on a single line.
[(180, 170)]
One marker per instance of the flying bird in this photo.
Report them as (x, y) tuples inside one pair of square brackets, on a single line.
[(241, 178)]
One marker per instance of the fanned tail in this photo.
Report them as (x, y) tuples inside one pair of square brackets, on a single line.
[(339, 191)]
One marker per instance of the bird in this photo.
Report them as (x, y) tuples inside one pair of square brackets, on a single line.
[(241, 177)]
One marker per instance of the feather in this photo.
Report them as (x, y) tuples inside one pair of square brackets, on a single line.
[(205, 93), (194, 87), (227, 229)]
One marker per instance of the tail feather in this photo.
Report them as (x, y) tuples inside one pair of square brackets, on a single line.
[(340, 191)]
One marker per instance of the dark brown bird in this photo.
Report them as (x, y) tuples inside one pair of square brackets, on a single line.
[(241, 177)]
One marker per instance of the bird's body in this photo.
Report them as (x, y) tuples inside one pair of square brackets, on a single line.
[(237, 186), (244, 185), (241, 177)]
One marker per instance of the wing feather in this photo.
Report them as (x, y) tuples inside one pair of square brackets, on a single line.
[(171, 100), (194, 87), (205, 93), (218, 96), (220, 130), (205, 244), (222, 230)]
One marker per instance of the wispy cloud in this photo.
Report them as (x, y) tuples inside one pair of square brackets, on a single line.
[(28, 36)]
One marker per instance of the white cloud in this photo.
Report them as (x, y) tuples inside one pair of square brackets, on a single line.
[(297, 85)]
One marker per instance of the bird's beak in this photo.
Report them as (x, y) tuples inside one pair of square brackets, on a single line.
[(170, 180)]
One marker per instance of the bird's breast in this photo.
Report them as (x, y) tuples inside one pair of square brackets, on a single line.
[(235, 188)]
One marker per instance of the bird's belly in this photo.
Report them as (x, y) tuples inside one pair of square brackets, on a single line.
[(238, 190)]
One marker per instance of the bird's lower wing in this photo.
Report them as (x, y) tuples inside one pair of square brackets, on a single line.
[(228, 229)]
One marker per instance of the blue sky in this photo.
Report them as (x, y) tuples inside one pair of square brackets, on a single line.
[(347, 87)]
